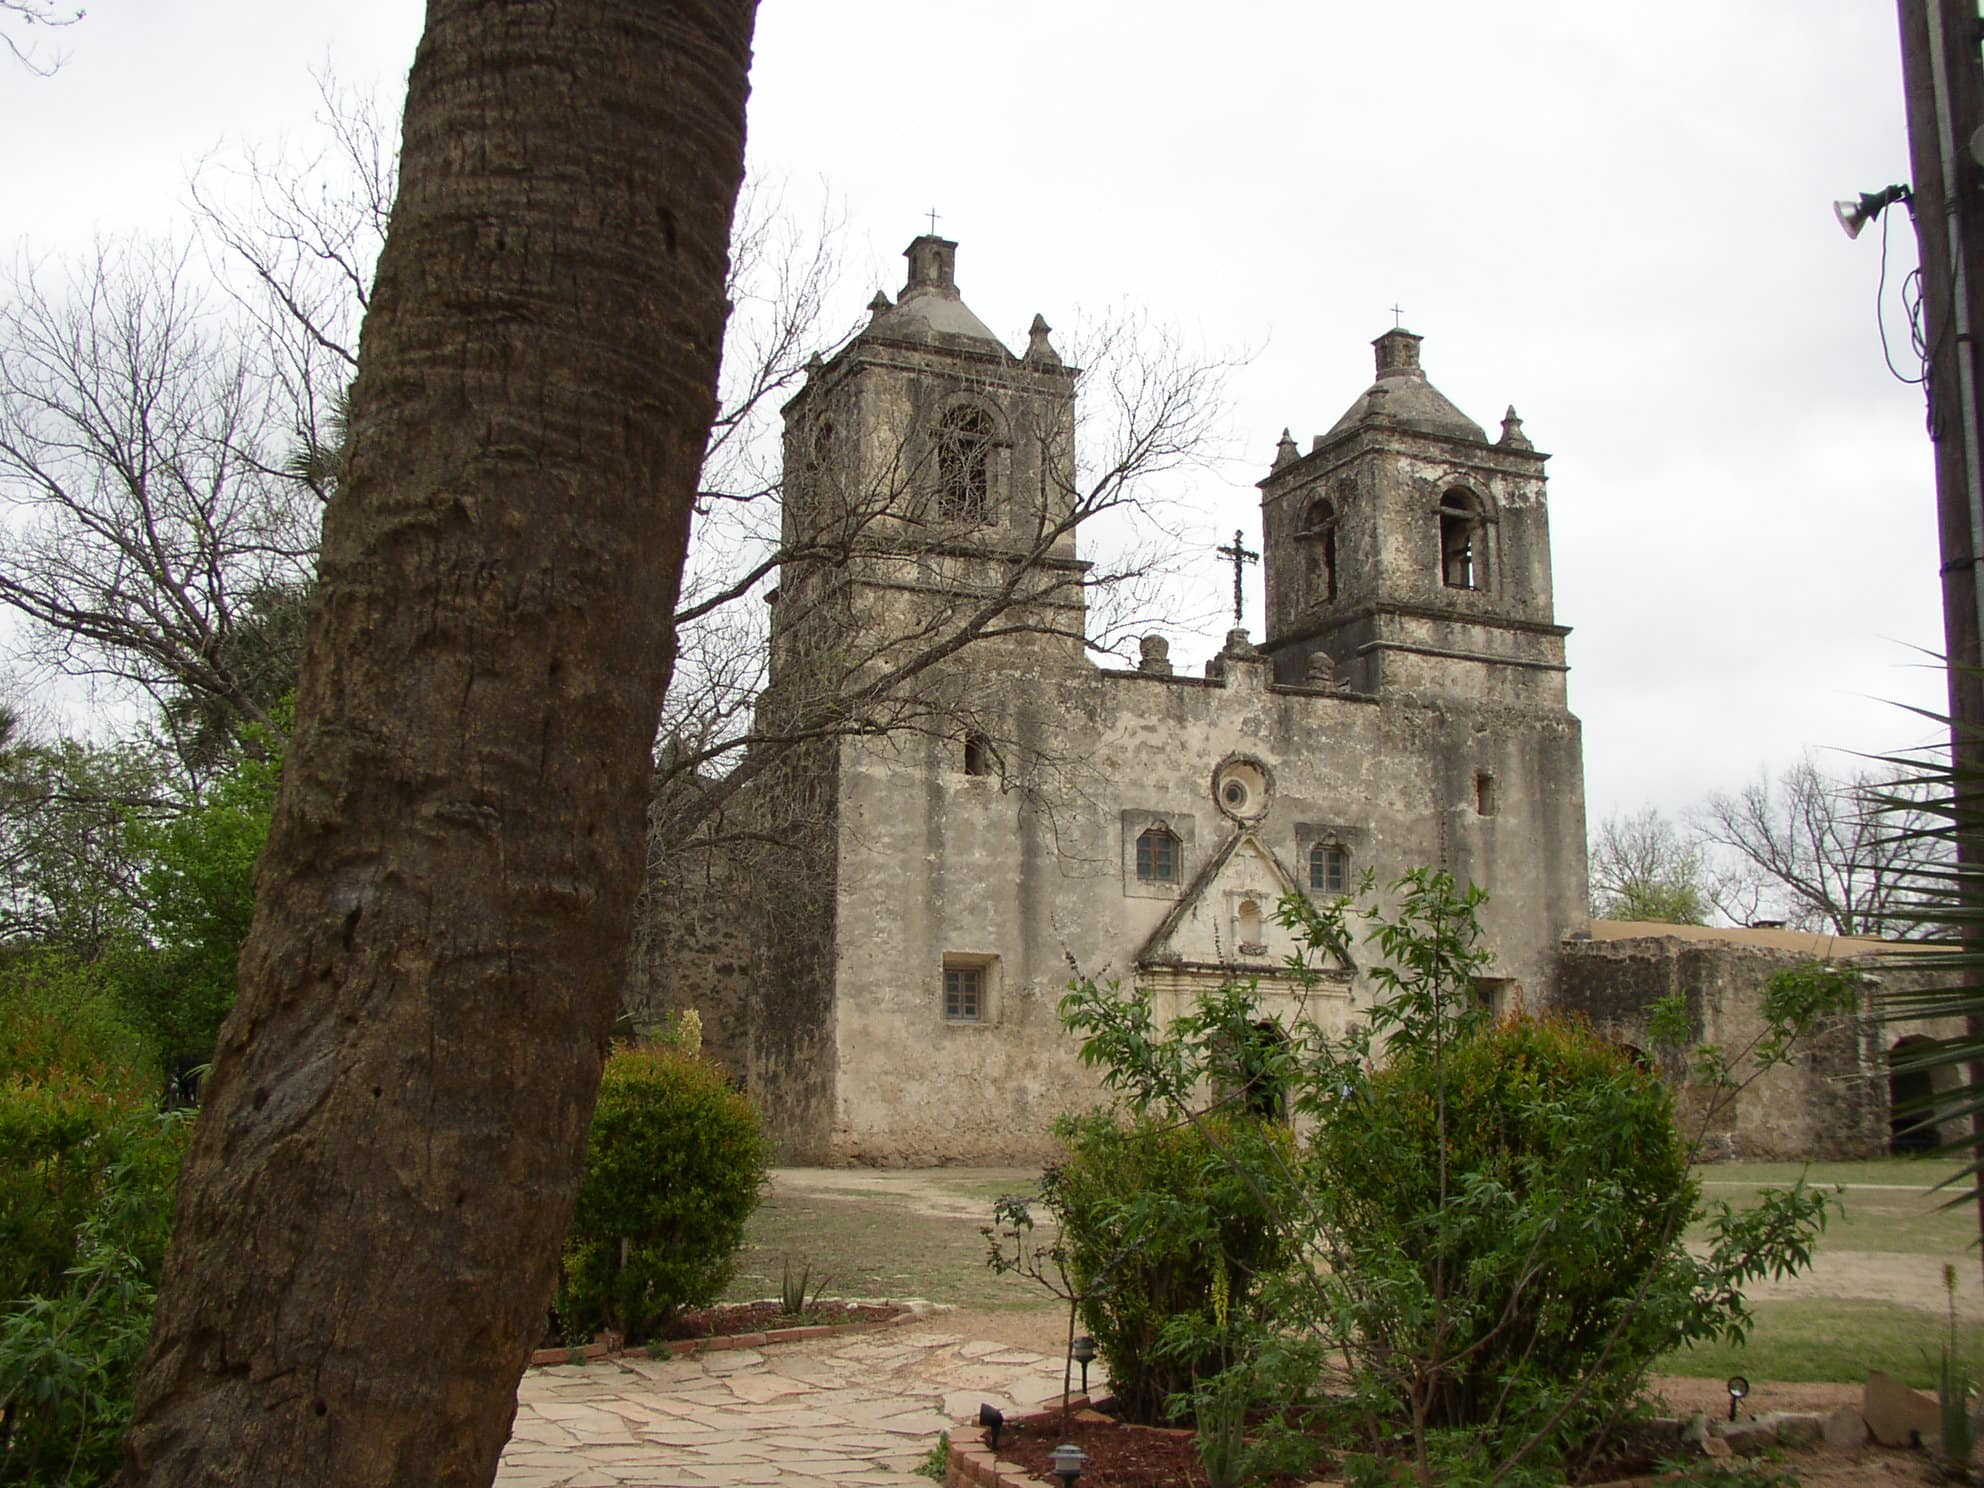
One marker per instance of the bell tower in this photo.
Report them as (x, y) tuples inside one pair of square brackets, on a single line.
[(928, 467), (1407, 552)]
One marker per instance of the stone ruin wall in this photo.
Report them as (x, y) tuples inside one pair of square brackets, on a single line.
[(1829, 1102)]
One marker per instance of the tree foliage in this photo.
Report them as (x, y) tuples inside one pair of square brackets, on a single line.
[(1642, 868)]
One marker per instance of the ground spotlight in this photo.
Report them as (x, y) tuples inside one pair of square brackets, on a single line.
[(1737, 1387)]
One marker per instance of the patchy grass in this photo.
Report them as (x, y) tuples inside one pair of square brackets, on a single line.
[(1880, 1211), (879, 1244), (1907, 1172), (1831, 1339)]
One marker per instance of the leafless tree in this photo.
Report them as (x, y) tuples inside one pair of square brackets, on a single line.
[(1846, 855), (145, 518), (19, 19), (1145, 411)]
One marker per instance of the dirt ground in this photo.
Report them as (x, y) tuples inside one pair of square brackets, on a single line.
[(966, 1193)]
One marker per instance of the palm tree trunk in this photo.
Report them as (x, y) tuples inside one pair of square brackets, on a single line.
[(368, 1222)]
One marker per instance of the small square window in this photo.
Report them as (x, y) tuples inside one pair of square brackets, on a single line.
[(1157, 857), (1329, 868), (964, 994)]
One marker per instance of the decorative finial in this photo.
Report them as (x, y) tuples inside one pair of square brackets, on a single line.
[(1512, 434), (880, 305), (1038, 347), (1285, 451)]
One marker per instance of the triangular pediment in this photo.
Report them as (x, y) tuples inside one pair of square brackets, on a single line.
[(1225, 918)]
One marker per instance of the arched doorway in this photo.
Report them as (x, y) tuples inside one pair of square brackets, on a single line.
[(1912, 1105)]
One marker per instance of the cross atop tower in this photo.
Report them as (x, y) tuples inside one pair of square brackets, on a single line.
[(1397, 313), (933, 222), (1240, 555)]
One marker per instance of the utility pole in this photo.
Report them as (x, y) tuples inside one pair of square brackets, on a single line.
[(1943, 85)]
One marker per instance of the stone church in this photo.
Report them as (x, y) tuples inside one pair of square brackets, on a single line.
[(878, 956)]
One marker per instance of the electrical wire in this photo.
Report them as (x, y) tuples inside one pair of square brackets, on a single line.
[(1911, 307)]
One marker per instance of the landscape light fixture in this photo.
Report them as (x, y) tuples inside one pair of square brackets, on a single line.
[(1068, 1460), (1083, 1350), (991, 1418), (1854, 215), (1738, 1387)]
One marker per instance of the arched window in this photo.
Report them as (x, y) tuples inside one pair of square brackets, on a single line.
[(1158, 857), (1463, 541), (979, 758), (1329, 868), (964, 465), (1319, 532)]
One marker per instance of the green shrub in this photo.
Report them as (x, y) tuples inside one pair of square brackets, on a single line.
[(1167, 1244), (77, 1086), (87, 1167), (1566, 1188), (675, 1163)]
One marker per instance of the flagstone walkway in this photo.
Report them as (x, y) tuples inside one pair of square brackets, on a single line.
[(861, 1409)]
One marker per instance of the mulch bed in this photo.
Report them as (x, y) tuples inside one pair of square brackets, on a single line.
[(1119, 1455), (1125, 1456), (732, 1325), (728, 1319)]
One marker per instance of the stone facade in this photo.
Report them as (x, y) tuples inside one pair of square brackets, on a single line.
[(1406, 707)]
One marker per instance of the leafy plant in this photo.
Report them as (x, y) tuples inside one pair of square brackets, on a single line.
[(69, 1353), (792, 1294), (1954, 1389), (938, 1462), (675, 1163), (1164, 1244), (1486, 1222)]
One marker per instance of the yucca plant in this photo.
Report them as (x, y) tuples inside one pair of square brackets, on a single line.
[(1938, 791)]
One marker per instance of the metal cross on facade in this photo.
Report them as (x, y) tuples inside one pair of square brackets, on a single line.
[(1241, 555), (933, 222)]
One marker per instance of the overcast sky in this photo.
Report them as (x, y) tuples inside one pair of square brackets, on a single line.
[(1613, 217)]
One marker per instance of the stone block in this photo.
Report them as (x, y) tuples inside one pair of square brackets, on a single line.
[(1897, 1416), (1846, 1430)]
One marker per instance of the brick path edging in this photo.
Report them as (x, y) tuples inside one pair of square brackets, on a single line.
[(611, 1347)]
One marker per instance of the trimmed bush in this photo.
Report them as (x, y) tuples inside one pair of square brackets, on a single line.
[(675, 1163), (1167, 1244)]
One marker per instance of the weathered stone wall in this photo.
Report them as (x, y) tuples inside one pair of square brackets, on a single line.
[(1026, 876), (1829, 1101), (695, 945)]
